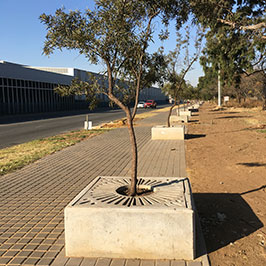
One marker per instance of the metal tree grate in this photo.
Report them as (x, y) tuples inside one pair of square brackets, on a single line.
[(166, 192)]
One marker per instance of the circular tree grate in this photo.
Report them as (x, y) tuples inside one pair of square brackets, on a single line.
[(163, 191)]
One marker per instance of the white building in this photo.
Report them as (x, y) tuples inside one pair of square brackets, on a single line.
[(28, 89)]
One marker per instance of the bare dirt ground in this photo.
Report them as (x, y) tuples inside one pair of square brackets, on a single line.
[(226, 160)]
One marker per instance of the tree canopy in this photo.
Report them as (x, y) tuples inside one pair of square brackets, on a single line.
[(236, 38), (116, 33)]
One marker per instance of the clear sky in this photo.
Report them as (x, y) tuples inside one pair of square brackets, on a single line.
[(23, 35)]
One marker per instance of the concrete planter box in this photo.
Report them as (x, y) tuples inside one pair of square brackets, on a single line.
[(168, 133), (194, 108), (175, 119), (181, 109), (188, 113), (100, 222)]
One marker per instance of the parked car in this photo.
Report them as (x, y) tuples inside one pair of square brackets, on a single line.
[(140, 104), (150, 103)]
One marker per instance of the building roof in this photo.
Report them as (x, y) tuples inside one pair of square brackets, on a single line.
[(24, 72)]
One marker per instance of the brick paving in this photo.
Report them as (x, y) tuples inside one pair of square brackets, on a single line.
[(32, 199)]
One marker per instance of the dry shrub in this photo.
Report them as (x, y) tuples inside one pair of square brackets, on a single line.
[(248, 103)]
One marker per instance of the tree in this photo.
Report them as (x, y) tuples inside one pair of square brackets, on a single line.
[(259, 73), (116, 33), (143, 76), (176, 71), (255, 86), (191, 92), (239, 15), (207, 84), (174, 88), (236, 41)]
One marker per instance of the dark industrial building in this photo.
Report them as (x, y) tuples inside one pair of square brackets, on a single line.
[(28, 89)]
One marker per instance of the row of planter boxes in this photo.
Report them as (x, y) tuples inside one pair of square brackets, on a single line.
[(176, 130)]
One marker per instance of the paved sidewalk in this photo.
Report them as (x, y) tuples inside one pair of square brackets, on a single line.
[(32, 199)]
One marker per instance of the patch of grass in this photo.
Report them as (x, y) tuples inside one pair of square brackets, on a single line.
[(18, 156)]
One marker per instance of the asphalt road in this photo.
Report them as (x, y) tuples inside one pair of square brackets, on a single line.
[(20, 129)]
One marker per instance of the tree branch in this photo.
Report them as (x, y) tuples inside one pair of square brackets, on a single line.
[(234, 25), (252, 73)]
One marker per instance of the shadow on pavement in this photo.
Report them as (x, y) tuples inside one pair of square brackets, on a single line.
[(233, 116), (223, 113), (255, 164), (225, 218), (194, 136)]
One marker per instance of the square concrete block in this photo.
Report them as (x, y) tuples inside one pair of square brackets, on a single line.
[(175, 119), (167, 133), (181, 109), (193, 108), (100, 222), (188, 113)]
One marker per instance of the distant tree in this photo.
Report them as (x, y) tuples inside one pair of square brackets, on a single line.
[(263, 90), (191, 92), (179, 65), (207, 84), (116, 33), (259, 73), (255, 86)]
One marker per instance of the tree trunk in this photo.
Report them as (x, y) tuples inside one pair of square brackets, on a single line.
[(134, 111), (134, 153), (238, 98), (134, 150), (136, 100), (170, 112)]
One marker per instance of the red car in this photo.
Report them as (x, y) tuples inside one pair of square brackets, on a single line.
[(150, 103)]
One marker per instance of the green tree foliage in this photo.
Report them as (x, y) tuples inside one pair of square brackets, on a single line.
[(239, 15), (236, 38), (207, 84), (191, 92), (116, 34)]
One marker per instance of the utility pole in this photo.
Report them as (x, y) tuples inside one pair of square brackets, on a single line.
[(219, 87)]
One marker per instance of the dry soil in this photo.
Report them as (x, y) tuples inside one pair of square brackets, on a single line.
[(226, 160)]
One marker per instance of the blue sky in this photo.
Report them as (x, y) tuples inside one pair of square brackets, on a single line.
[(23, 35)]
